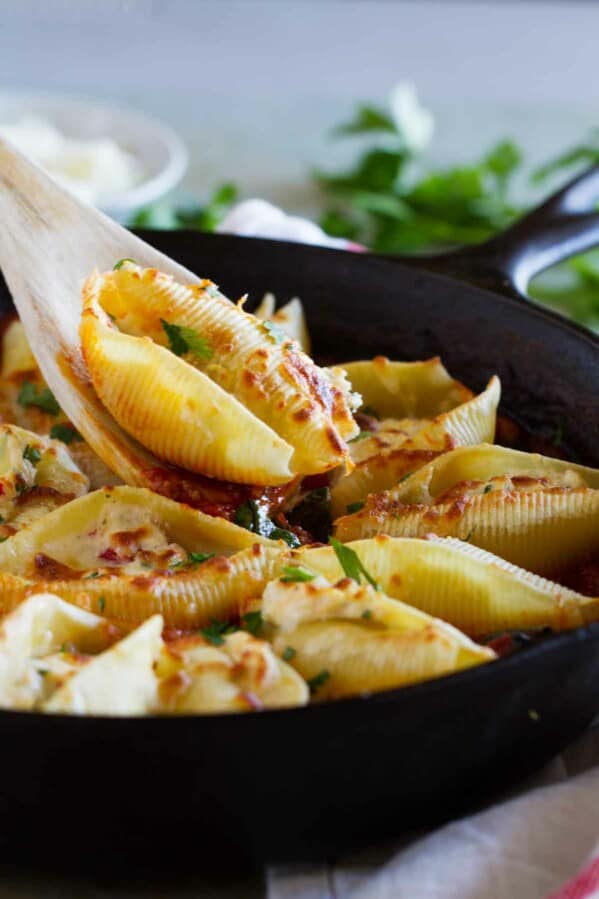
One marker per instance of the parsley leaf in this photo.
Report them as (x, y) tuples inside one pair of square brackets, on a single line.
[(186, 340), (362, 435), (319, 680), (252, 622), (350, 563), (66, 433), (288, 653), (44, 399), (216, 631), (292, 573), (102, 603), (252, 516), (122, 262), (32, 454), (367, 120), (488, 488)]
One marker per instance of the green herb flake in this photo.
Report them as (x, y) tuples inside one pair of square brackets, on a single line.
[(252, 516), (354, 507), (102, 603), (123, 262), (20, 484), (187, 340), (31, 454), (275, 331), (319, 680), (367, 614), (296, 574), (361, 436), (198, 558), (2, 519), (289, 653), (66, 433), (252, 622), (216, 632), (2, 539), (44, 399), (468, 535), (91, 575), (405, 476), (488, 488), (350, 563)]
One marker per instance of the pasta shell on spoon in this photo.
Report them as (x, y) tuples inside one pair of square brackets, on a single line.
[(251, 362), (511, 503), (473, 590), (345, 638), (398, 447)]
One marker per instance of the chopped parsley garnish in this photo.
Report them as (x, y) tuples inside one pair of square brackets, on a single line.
[(361, 436), (350, 562), (44, 399), (216, 631), (319, 680), (192, 559), (32, 454), (275, 331), (366, 614), (468, 535), (488, 488), (102, 603), (288, 653), (252, 622), (91, 575), (2, 539), (354, 507), (187, 340), (20, 484), (2, 519), (122, 262), (66, 433), (252, 516), (292, 573), (405, 476)]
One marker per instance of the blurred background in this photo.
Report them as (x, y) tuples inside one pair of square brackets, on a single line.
[(457, 115)]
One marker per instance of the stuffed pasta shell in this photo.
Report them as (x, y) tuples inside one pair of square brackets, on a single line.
[(27, 401), (473, 590), (345, 638), (234, 673), (207, 386), (537, 512), (128, 553), (36, 476), (421, 412)]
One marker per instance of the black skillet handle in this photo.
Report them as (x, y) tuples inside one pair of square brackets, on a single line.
[(564, 225)]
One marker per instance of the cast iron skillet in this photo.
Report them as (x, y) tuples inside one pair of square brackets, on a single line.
[(306, 783)]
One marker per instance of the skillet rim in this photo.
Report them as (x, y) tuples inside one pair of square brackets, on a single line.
[(476, 673)]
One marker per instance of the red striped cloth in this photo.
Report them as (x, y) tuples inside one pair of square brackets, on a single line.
[(584, 886)]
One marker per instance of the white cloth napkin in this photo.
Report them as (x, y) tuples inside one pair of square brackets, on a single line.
[(527, 847)]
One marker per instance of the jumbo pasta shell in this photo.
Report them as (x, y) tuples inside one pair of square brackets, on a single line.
[(176, 411), (406, 389), (272, 378), (119, 681), (471, 423), (357, 660), (475, 591), (522, 517)]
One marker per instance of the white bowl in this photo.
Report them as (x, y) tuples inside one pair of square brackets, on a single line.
[(159, 151)]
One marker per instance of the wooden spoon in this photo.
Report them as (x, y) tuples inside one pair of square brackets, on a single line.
[(49, 243)]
